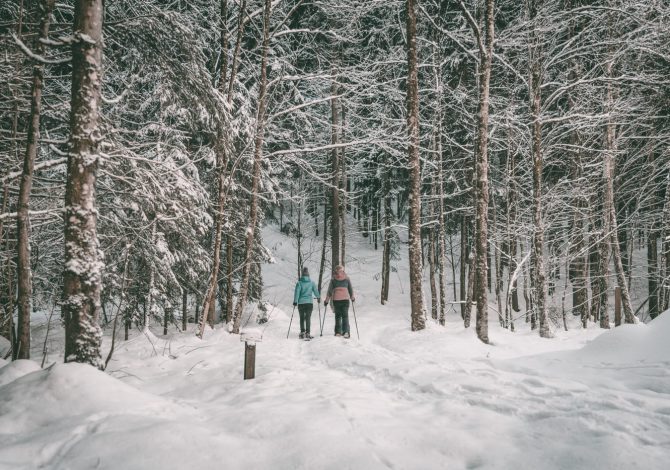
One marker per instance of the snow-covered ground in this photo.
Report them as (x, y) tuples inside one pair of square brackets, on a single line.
[(435, 399)]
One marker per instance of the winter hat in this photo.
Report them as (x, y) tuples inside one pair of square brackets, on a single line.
[(305, 271)]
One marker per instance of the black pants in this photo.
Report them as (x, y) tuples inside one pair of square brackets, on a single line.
[(341, 308), (305, 311)]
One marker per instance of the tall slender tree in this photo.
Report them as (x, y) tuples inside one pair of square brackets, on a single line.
[(418, 321), (25, 282), (256, 173)]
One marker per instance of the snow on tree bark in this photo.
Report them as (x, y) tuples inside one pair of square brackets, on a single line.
[(538, 236), (664, 299), (258, 156), (608, 173), (335, 228), (418, 321), (481, 166), (25, 282), (82, 277)]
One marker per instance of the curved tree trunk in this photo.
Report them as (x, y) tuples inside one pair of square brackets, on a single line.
[(258, 156)]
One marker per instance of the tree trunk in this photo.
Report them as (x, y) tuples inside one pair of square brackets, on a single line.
[(322, 264), (578, 270), (497, 261), (463, 269), (511, 304), (652, 271), (299, 234), (608, 155), (665, 247), (431, 273), (258, 155), (223, 28), (209, 306), (386, 256), (335, 189), (82, 277), (418, 321), (594, 269), (538, 238), (25, 282), (229, 278), (184, 310), (236, 53), (343, 191), (481, 172), (441, 240)]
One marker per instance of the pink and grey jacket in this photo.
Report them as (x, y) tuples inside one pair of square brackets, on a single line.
[(340, 288)]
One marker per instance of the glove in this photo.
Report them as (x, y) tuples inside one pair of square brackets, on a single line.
[(294, 304), (325, 303), (353, 300)]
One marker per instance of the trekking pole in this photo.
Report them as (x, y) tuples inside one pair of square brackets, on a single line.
[(325, 314), (319, 305), (289, 323), (355, 321)]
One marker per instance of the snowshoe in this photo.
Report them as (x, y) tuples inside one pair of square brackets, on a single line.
[(346, 335), (302, 336)]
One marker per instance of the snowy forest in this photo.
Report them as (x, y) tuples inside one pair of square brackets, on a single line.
[(492, 175)]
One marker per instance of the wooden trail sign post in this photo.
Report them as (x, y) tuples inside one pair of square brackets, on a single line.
[(250, 338), (617, 306)]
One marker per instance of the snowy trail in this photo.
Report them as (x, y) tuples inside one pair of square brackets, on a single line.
[(395, 399), (389, 408)]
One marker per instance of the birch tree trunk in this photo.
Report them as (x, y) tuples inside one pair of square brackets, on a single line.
[(258, 156), (209, 300), (82, 277), (25, 282), (418, 321)]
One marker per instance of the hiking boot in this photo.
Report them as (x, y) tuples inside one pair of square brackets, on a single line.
[(338, 334), (308, 336), (302, 336), (346, 335)]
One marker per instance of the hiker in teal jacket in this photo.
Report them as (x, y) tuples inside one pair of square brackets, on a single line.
[(304, 289)]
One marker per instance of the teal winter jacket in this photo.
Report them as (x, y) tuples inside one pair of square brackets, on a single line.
[(304, 289)]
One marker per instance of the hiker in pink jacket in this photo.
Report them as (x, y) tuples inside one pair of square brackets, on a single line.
[(341, 292)]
